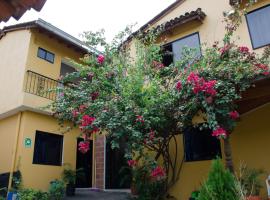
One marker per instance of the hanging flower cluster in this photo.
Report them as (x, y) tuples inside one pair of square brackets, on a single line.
[(158, 173), (84, 146), (132, 163), (200, 85), (100, 59), (220, 133)]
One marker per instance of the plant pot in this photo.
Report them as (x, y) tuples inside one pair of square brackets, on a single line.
[(12, 196), (70, 189), (253, 198)]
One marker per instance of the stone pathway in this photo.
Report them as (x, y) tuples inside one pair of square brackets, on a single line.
[(94, 195)]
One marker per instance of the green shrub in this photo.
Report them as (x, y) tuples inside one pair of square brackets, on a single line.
[(221, 184), (57, 190), (31, 194)]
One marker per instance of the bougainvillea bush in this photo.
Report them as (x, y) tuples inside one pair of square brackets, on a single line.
[(146, 104)]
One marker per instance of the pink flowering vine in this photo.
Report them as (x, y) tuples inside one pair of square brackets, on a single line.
[(158, 172), (132, 163), (244, 50), (75, 113), (158, 65), (100, 59), (152, 135), (82, 108), (200, 85), (234, 115), (84, 146), (264, 68), (178, 86), (139, 119), (220, 133), (87, 120)]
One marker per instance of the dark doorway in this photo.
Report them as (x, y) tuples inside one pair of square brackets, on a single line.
[(84, 165), (118, 174)]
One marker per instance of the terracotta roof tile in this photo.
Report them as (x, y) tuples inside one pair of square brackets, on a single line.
[(16, 8)]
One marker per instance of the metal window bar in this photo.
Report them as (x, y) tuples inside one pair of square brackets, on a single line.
[(41, 85)]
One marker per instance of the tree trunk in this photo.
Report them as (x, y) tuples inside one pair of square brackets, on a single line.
[(228, 154)]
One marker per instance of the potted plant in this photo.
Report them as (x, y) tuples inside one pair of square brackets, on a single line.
[(251, 182), (69, 177), (56, 190)]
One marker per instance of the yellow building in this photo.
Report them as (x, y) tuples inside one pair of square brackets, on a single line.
[(33, 56), (193, 23)]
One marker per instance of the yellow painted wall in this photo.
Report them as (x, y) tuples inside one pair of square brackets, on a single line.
[(44, 67), (7, 140), (35, 175), (13, 56), (250, 145), (212, 28), (250, 140)]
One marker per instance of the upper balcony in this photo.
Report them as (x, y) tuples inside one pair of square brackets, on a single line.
[(39, 91), (40, 85)]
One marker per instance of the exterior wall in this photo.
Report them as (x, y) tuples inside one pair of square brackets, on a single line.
[(35, 175), (212, 28), (38, 65), (13, 50), (251, 137), (7, 142), (249, 146)]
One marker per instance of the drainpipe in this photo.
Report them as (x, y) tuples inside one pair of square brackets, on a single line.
[(15, 150)]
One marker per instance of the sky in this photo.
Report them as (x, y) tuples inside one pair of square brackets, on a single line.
[(76, 16)]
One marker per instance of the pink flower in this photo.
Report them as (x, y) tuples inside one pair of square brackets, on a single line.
[(200, 85), (152, 135), (84, 146), (209, 100), (225, 49), (75, 113), (158, 172), (94, 95), (82, 108), (95, 130), (132, 163), (158, 65), (264, 68), (100, 59), (244, 50), (87, 120), (193, 78), (178, 86), (208, 87), (234, 115), (220, 133), (139, 119)]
